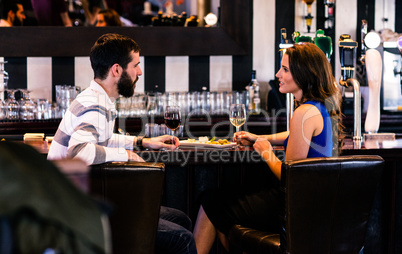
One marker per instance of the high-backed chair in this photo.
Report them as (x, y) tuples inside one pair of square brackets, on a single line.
[(134, 190), (328, 203)]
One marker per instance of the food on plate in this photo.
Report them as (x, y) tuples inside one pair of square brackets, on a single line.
[(213, 141)]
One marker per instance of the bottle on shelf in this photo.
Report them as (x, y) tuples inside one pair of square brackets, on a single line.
[(254, 95)]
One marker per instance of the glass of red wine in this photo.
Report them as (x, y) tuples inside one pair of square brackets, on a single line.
[(172, 118)]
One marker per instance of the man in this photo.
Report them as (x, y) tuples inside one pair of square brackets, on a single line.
[(13, 14), (86, 130)]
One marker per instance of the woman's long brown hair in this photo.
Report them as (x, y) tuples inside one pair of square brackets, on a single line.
[(313, 74)]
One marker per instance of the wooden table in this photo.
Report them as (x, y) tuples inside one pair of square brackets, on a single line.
[(189, 171)]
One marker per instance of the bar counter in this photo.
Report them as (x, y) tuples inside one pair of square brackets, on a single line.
[(197, 125)]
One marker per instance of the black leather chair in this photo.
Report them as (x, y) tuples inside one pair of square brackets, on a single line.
[(134, 190), (328, 203)]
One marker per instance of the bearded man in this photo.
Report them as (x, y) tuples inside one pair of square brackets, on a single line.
[(86, 130), (13, 14)]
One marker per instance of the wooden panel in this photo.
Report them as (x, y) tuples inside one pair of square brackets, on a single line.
[(232, 38), (154, 41)]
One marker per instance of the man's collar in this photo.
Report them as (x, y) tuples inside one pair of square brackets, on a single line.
[(95, 86)]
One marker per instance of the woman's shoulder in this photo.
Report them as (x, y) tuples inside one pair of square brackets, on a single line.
[(305, 111), (305, 107)]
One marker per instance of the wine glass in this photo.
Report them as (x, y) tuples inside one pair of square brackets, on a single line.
[(172, 118), (237, 115)]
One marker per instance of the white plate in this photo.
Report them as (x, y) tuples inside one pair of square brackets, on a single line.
[(185, 143)]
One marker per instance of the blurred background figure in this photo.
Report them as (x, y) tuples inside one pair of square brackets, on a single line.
[(12, 13), (51, 12), (91, 10), (108, 17)]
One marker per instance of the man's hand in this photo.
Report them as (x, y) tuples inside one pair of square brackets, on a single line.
[(159, 142), (244, 138), (134, 157)]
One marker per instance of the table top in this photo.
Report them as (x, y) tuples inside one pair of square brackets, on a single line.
[(390, 148)]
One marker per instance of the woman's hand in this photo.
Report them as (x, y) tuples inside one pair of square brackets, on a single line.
[(262, 145), (159, 142), (264, 148), (244, 138)]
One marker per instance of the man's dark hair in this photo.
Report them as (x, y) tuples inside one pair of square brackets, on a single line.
[(9, 5), (110, 49)]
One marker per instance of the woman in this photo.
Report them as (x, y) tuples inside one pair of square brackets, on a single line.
[(306, 73), (108, 17)]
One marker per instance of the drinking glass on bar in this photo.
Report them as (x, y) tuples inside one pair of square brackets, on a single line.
[(12, 106)]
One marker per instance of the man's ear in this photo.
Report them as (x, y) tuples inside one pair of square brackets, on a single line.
[(116, 70), (10, 14)]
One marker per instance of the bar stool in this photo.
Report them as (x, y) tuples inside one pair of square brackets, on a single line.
[(134, 189), (328, 203)]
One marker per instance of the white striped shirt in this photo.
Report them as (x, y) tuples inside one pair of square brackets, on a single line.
[(86, 130)]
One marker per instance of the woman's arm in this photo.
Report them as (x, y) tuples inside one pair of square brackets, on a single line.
[(305, 123), (264, 148), (248, 139), (277, 138)]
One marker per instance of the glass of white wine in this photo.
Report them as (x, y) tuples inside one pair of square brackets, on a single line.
[(237, 115)]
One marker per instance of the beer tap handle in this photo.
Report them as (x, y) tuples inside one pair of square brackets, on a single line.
[(347, 57), (374, 74)]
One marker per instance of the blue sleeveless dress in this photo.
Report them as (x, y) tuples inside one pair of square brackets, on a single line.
[(321, 145)]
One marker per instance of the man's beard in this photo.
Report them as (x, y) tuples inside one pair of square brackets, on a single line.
[(126, 85)]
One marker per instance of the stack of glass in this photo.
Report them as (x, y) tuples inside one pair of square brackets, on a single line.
[(191, 103)]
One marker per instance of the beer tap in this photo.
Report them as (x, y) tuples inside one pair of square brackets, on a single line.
[(347, 53), (373, 64), (329, 14), (324, 43), (308, 17)]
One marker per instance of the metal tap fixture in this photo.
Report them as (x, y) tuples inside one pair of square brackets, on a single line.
[(347, 53)]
